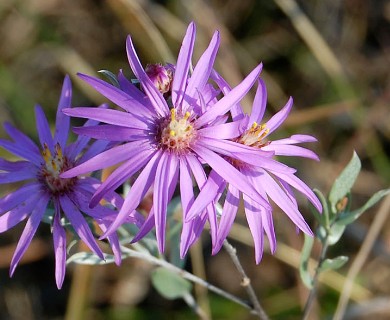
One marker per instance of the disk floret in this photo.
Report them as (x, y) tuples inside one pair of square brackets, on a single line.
[(53, 166), (254, 136), (176, 132)]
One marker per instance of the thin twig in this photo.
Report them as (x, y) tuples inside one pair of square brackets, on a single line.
[(127, 252), (377, 224), (246, 282)]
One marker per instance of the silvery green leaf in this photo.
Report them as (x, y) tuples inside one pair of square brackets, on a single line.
[(333, 264), (110, 77), (335, 233), (322, 218), (89, 258), (304, 265), (343, 184), (170, 285), (349, 217)]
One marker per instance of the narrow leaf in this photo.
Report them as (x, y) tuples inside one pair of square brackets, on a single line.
[(304, 265), (349, 217), (335, 233), (343, 184), (110, 77), (89, 258), (333, 264), (170, 285)]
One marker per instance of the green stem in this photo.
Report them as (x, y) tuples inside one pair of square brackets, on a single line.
[(313, 291)]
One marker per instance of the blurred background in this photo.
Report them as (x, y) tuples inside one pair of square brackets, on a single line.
[(332, 56)]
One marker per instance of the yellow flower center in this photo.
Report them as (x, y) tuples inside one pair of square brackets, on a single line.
[(176, 132), (52, 167), (254, 136)]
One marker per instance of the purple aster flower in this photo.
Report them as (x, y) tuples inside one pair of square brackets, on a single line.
[(45, 189), (270, 178), (166, 144)]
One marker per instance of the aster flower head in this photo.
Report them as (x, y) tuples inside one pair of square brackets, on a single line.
[(161, 76), (44, 188), (272, 179), (167, 143)]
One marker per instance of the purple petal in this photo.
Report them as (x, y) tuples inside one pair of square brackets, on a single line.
[(291, 150), (29, 230), (166, 169), (59, 242), (109, 116), (74, 149), (156, 98), (17, 166), (91, 184), (108, 158), (231, 148), (228, 101), (81, 198), (114, 242), (79, 224), (133, 91), (266, 215), (121, 174), (187, 198), (230, 174), (209, 192), (15, 198), (301, 187), (21, 175), (21, 151), (186, 187), (222, 131), (23, 141), (236, 110), (11, 218), (110, 132), (96, 148), (183, 65), (137, 192), (295, 138), (146, 227), (273, 123), (117, 96), (251, 156), (197, 223), (283, 202), (63, 121), (229, 212), (259, 103), (202, 70), (43, 129), (253, 215), (268, 225)]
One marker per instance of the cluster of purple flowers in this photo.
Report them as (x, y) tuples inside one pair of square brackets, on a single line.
[(180, 128)]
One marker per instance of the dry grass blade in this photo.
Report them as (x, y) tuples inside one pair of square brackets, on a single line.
[(137, 22)]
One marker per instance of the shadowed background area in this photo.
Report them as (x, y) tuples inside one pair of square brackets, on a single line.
[(332, 57)]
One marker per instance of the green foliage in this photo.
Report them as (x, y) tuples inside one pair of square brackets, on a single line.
[(304, 265), (343, 184), (170, 285), (110, 77), (89, 258), (336, 216), (333, 264)]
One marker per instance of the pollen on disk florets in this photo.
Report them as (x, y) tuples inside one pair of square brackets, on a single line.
[(53, 166), (254, 136), (176, 133)]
